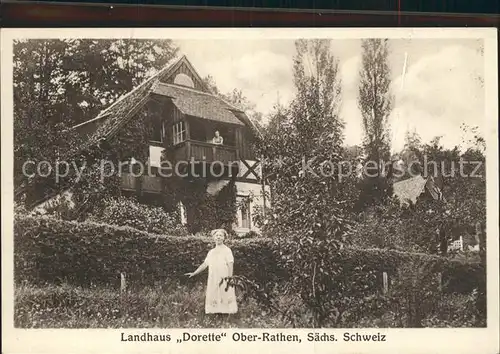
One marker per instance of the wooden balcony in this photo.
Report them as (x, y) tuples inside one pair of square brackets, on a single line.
[(201, 151), (187, 151)]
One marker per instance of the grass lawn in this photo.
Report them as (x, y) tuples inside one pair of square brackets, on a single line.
[(182, 306), (175, 306)]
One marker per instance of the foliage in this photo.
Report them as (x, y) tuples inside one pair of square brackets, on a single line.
[(410, 157), (164, 305), (20, 209), (125, 211), (375, 103), (430, 224), (415, 299), (308, 216), (205, 212), (60, 83), (88, 254), (60, 207), (181, 305), (51, 250), (249, 234), (237, 98), (48, 249), (456, 310), (176, 305), (415, 291)]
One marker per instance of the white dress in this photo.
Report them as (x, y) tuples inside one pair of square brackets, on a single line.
[(217, 299)]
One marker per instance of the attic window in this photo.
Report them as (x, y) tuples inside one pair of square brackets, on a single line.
[(183, 80)]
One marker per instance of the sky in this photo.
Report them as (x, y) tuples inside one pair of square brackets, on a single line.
[(441, 89)]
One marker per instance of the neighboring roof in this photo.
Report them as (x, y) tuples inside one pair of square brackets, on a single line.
[(409, 189), (434, 187), (198, 104)]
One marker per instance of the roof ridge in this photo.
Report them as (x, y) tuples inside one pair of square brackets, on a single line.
[(232, 106), (188, 88)]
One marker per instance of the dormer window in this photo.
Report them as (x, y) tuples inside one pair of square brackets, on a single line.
[(179, 132)]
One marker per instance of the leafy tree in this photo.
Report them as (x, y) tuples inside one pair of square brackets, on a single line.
[(411, 156), (308, 219), (461, 178), (237, 98), (60, 83), (375, 103)]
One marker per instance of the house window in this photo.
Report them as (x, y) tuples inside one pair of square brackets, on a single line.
[(184, 80), (179, 132), (155, 155), (158, 131), (245, 209)]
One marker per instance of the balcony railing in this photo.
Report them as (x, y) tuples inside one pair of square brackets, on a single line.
[(186, 151), (201, 151)]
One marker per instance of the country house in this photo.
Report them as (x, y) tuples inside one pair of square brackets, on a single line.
[(189, 124)]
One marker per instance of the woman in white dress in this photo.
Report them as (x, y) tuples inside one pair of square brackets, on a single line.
[(219, 262)]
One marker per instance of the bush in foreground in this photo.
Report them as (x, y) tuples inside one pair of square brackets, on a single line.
[(55, 251), (127, 211)]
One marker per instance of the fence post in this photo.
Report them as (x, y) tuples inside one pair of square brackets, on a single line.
[(440, 280), (123, 283), (385, 279)]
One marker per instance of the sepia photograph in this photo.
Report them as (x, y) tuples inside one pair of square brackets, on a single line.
[(245, 182)]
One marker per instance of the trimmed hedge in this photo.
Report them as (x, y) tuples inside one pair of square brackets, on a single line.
[(53, 251)]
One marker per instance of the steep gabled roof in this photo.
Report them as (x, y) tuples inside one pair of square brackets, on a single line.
[(190, 101), (117, 114), (410, 189), (184, 61)]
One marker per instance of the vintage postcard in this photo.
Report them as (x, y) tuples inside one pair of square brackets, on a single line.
[(291, 190)]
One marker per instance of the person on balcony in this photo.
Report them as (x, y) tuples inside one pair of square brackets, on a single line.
[(217, 139)]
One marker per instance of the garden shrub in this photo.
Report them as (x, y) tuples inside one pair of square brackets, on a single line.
[(205, 211), (126, 211), (20, 209), (53, 251), (456, 310), (249, 234)]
